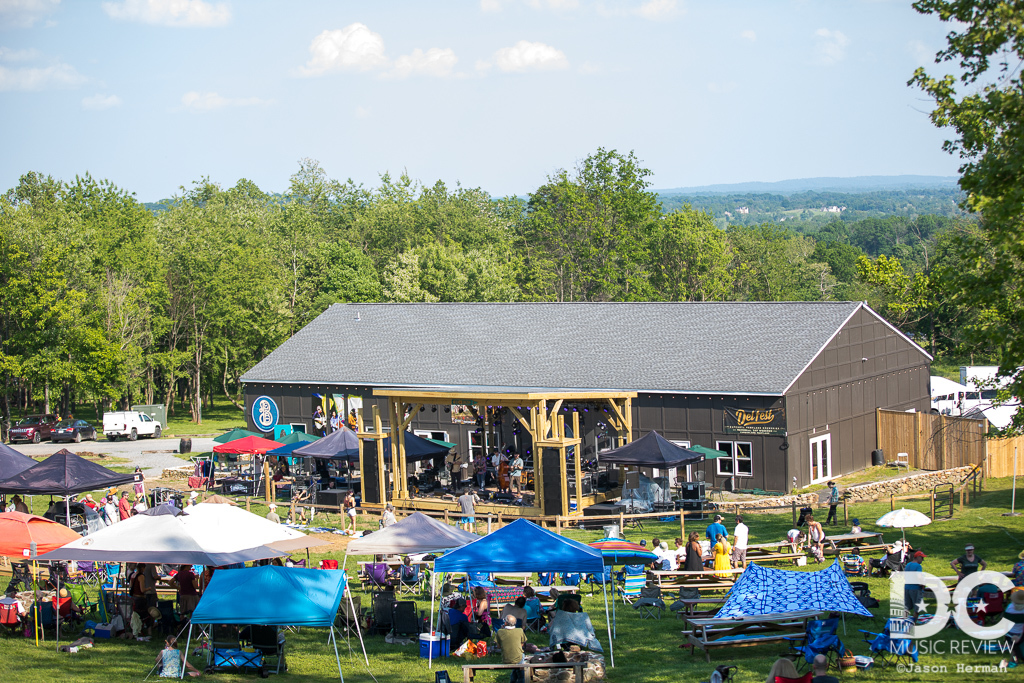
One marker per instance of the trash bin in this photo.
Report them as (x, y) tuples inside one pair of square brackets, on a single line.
[(185, 445), (877, 457), (611, 531)]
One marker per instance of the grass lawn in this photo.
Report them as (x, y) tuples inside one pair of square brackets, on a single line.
[(645, 650)]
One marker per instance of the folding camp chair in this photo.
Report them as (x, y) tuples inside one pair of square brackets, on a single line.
[(349, 613), (532, 621), (19, 575), (377, 576), (267, 640), (546, 578), (891, 646), (404, 621), (631, 588), (571, 579), (226, 650), (410, 580), (593, 580), (821, 639), (382, 612), (111, 572), (81, 597), (328, 564), (650, 603), (10, 619)]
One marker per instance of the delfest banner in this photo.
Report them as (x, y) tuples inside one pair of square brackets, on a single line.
[(762, 421)]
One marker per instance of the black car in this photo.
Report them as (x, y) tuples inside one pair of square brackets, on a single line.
[(73, 430)]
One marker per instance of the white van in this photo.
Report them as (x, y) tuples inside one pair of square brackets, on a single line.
[(129, 424)]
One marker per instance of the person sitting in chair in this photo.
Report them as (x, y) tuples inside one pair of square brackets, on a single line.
[(892, 562), (516, 609)]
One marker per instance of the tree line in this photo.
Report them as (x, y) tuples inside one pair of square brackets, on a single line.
[(107, 302)]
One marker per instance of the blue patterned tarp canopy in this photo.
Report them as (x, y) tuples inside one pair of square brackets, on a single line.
[(761, 590)]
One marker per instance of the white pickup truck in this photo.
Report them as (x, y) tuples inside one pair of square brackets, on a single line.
[(129, 424)]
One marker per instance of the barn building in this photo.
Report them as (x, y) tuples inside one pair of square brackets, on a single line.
[(789, 390)]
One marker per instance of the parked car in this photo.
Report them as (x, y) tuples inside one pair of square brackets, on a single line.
[(34, 428), (129, 424), (73, 430), (84, 520)]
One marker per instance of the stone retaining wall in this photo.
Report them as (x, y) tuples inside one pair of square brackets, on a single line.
[(913, 483), (802, 500), (183, 472)]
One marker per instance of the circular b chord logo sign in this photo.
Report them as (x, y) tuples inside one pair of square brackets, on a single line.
[(264, 413)]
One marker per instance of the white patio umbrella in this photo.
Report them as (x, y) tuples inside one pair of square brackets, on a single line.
[(903, 519)]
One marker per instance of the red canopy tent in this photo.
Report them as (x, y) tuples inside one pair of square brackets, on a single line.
[(255, 445)]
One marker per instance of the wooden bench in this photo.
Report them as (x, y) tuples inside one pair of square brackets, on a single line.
[(711, 633), (470, 669), (706, 580), (690, 607)]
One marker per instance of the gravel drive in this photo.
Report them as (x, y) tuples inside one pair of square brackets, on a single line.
[(152, 455)]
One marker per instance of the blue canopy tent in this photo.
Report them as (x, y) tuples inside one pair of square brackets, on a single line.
[(273, 596), (523, 546), (761, 590)]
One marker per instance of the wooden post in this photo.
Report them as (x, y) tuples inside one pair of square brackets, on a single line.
[(499, 521), (846, 517), (794, 514), (892, 502), (622, 524), (291, 513), (682, 525), (961, 500), (446, 515), (933, 505), (558, 524), (247, 507), (268, 487)]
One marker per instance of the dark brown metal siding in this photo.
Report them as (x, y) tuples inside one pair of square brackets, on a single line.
[(874, 368)]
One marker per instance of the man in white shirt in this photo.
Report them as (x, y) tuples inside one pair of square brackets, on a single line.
[(739, 546)]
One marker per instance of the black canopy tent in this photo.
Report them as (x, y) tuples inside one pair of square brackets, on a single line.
[(12, 462), (342, 444), (651, 450)]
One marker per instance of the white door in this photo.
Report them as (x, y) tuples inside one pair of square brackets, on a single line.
[(821, 458)]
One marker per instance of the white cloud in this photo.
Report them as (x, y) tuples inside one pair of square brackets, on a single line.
[(527, 56), (170, 12), (206, 101), (40, 77), (434, 62), (352, 47), (24, 13), (831, 46), (749, 35), (9, 55), (558, 5), (721, 88), (658, 9), (363, 112), (490, 5), (101, 102)]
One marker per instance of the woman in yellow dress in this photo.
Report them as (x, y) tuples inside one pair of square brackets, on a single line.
[(722, 552)]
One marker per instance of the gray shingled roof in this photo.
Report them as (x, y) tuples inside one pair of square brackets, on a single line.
[(740, 347)]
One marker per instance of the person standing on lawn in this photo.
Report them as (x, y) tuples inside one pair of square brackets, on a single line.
[(468, 501), (969, 562), (714, 529), (833, 503), (739, 548), (913, 593)]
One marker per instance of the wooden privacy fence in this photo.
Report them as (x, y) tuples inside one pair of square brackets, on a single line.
[(1000, 457), (932, 442)]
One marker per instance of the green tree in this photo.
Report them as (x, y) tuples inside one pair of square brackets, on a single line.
[(984, 107), (690, 258)]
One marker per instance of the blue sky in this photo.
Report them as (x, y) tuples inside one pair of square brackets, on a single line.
[(498, 94)]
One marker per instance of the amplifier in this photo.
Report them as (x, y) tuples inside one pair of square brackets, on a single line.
[(692, 490), (587, 486), (333, 497)]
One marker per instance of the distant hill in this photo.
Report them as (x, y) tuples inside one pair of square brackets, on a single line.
[(871, 183)]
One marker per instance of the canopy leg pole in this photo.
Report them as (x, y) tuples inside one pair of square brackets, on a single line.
[(336, 657), (184, 655), (359, 631), (615, 624), (56, 609), (611, 645)]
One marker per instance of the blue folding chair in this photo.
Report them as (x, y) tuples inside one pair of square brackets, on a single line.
[(593, 580), (821, 639), (571, 579), (630, 591), (546, 578), (892, 646)]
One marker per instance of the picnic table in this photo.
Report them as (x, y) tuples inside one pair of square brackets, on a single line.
[(712, 632), (469, 669), (771, 552), (865, 541), (705, 580), (690, 607)]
